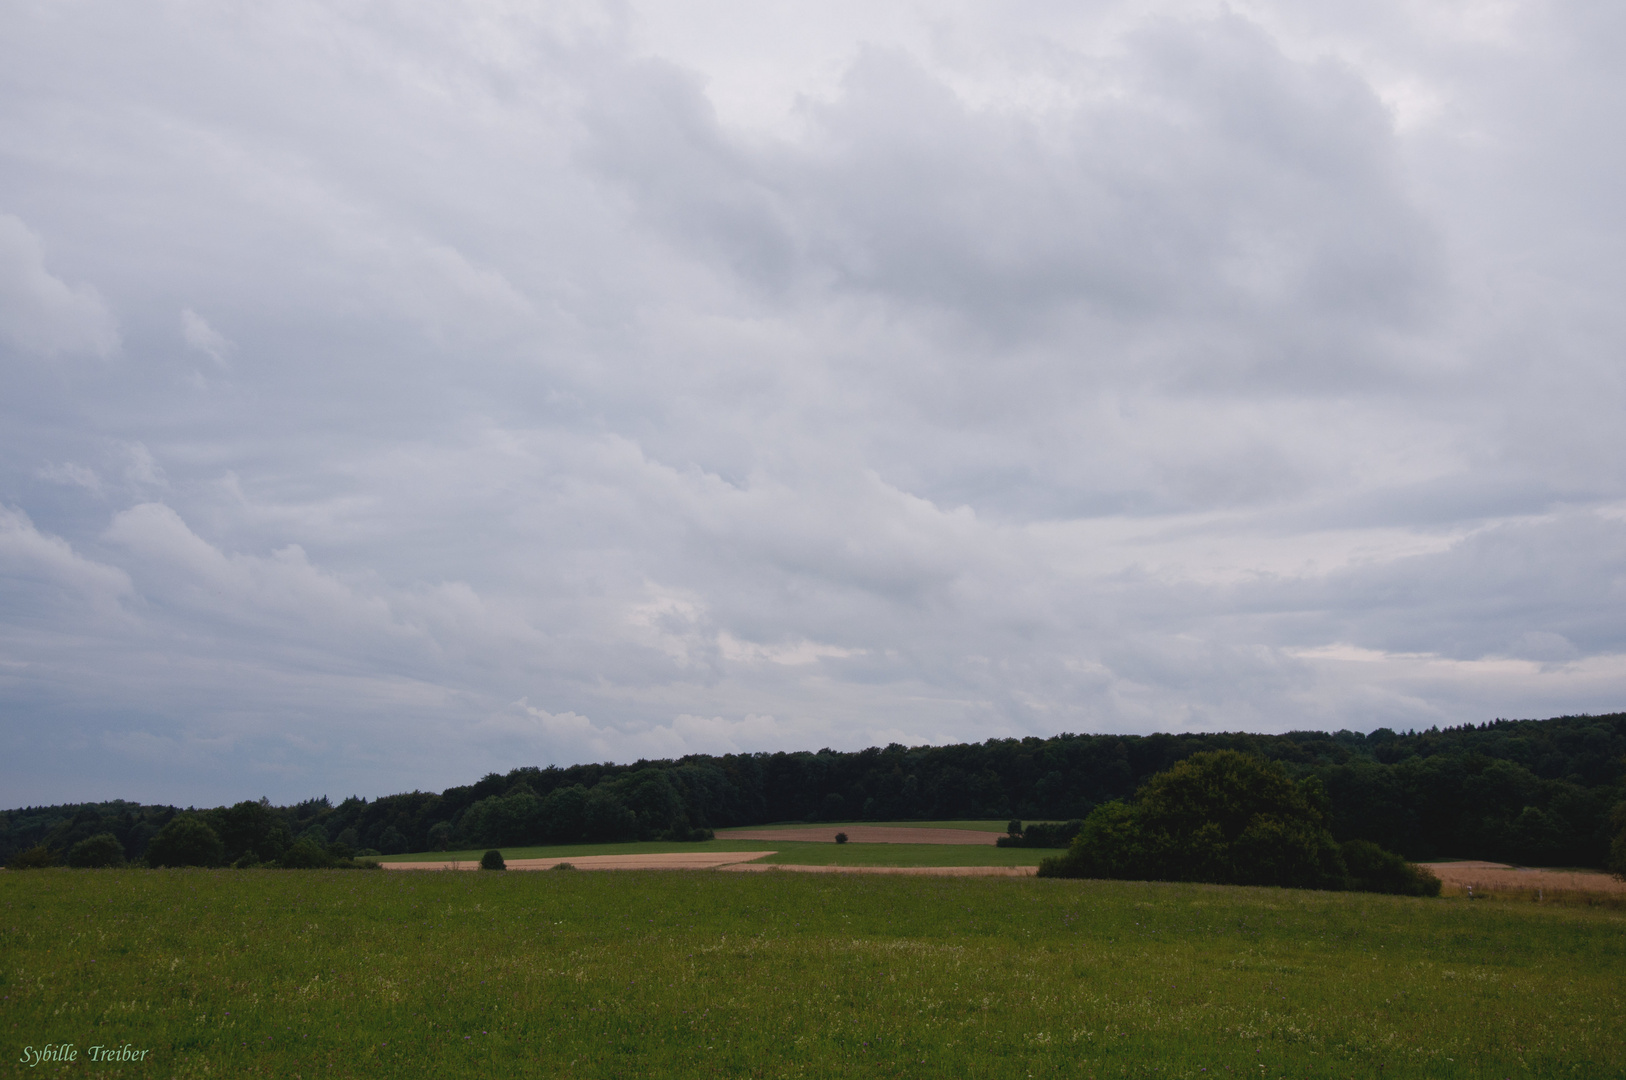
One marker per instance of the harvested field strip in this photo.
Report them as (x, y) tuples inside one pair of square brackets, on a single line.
[(1487, 880)]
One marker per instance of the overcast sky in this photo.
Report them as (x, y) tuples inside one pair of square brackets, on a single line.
[(397, 392)]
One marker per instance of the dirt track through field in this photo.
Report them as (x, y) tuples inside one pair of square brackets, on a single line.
[(1493, 876), (866, 834)]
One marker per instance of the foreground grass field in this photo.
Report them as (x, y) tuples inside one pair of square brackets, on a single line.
[(666, 974)]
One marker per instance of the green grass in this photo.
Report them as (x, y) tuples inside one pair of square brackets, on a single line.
[(675, 974)]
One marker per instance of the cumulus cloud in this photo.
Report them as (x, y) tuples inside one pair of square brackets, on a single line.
[(601, 383)]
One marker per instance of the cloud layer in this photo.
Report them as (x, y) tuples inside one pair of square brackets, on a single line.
[(396, 395)]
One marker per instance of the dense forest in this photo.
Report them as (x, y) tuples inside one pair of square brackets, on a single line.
[(1533, 792)]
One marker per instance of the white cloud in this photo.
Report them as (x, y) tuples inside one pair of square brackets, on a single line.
[(39, 312), (33, 560), (197, 332), (795, 653), (69, 472)]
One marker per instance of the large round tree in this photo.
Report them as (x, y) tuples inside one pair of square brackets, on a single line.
[(1220, 817)]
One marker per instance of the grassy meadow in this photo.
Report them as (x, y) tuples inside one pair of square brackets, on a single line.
[(303, 974)]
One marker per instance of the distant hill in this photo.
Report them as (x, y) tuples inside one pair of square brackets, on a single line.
[(1534, 792)]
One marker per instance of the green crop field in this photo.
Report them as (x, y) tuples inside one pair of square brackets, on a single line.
[(904, 855), (302, 974)]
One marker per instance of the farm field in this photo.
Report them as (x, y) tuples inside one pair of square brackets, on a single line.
[(663, 974), (785, 853), (1545, 884), (566, 851), (905, 855), (979, 825), (870, 834)]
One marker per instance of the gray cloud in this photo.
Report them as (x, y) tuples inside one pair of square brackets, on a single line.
[(39, 312), (391, 398)]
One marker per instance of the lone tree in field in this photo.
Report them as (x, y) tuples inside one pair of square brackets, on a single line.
[(492, 860), (1220, 817)]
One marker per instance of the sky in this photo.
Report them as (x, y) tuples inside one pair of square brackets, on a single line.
[(393, 393)]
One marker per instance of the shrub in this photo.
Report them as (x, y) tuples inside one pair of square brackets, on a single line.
[(492, 860), (841, 838), (563, 866), (1043, 834), (306, 855), (186, 841), (1372, 869), (1013, 827), (103, 849), (686, 834), (37, 857), (1109, 844)]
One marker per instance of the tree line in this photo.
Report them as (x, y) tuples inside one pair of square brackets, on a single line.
[(1533, 792)]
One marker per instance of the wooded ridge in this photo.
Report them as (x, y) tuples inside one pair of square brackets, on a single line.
[(1532, 792)]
